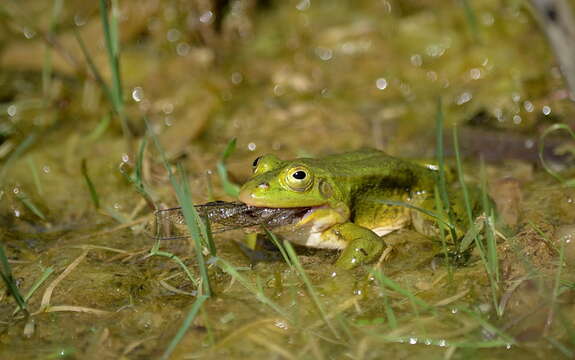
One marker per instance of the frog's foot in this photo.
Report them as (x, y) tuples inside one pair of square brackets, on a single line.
[(363, 245)]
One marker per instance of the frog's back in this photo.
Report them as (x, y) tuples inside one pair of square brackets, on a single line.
[(368, 176)]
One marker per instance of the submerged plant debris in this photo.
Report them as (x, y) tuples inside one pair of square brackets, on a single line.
[(87, 87)]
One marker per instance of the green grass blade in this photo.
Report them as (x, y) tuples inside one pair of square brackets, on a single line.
[(471, 19), (280, 247), (35, 176), (378, 275), (6, 274), (461, 177), (20, 149), (311, 291), (230, 188), (385, 281), (93, 193), (112, 49), (20, 195), (260, 296), (185, 326), (191, 217), (442, 182), (93, 69), (45, 274)]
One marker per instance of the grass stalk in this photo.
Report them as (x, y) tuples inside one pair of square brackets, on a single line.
[(20, 195), (191, 216), (280, 247), (441, 181), (47, 66), (93, 193), (185, 326), (18, 151), (230, 188), (35, 176), (256, 291), (311, 291), (6, 274), (461, 177), (110, 27), (389, 313)]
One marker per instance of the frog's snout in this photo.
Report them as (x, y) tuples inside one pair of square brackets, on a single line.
[(248, 195)]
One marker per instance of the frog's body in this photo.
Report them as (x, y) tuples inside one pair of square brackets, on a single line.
[(344, 194)]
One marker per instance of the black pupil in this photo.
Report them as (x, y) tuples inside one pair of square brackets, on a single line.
[(255, 163), (299, 175)]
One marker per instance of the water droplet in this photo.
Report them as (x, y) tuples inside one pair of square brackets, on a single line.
[(11, 110), (28, 33), (442, 343), (117, 206), (16, 190), (528, 106), (183, 49), (487, 19), (137, 94), (237, 78), (125, 158), (279, 90), (251, 146), (303, 5), (79, 20), (167, 108), (435, 50), (46, 169), (515, 97), (381, 83), (324, 54), (463, 98), (546, 110), (173, 35), (16, 212), (529, 143), (413, 341), (207, 17), (517, 119), (416, 60), (431, 75), (475, 73)]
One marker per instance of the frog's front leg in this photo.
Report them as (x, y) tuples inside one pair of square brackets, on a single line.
[(363, 245)]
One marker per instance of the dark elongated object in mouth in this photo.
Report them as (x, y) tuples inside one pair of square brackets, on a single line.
[(224, 216)]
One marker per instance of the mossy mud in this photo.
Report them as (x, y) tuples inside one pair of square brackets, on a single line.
[(291, 78)]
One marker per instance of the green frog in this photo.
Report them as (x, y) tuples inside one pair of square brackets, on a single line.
[(343, 195)]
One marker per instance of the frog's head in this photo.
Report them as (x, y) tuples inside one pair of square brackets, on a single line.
[(286, 184)]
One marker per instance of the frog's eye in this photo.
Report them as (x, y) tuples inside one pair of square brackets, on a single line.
[(256, 161), (299, 178)]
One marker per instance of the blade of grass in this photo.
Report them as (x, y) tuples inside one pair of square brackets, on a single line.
[(191, 217), (45, 274), (461, 177), (35, 176), (441, 210), (185, 326), (392, 319), (442, 183), (93, 193), (6, 274), (20, 195), (113, 50), (230, 188), (311, 291), (387, 282), (471, 19), (280, 247), (20, 149), (47, 66), (260, 296)]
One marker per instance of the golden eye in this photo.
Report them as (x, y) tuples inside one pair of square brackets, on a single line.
[(299, 179)]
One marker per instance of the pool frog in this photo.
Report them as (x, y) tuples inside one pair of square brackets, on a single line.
[(343, 194)]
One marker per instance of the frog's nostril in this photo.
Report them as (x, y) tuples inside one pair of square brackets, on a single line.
[(264, 186)]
